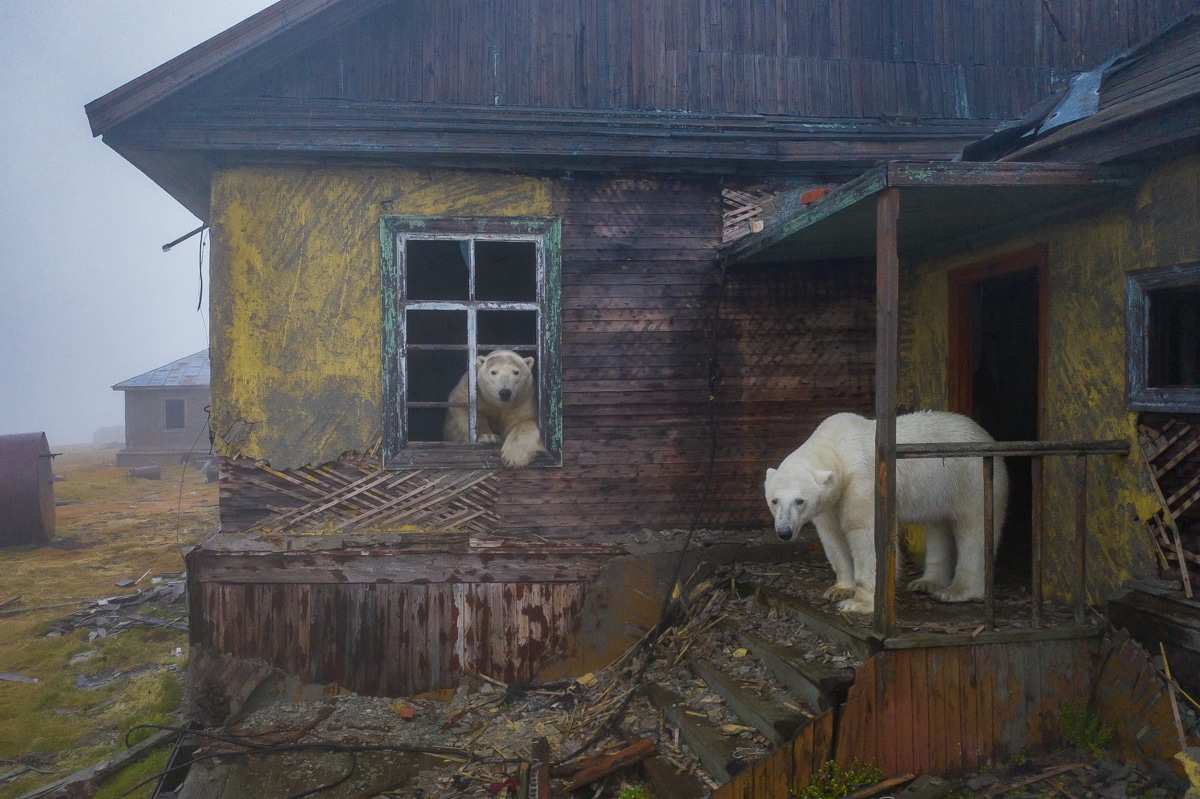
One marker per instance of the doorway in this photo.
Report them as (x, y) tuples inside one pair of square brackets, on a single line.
[(997, 357)]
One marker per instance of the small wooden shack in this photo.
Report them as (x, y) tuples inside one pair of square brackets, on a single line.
[(166, 413), (634, 194)]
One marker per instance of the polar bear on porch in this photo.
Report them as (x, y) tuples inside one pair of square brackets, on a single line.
[(830, 481), (506, 408)]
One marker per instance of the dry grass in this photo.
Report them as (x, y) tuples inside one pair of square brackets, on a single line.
[(111, 527)]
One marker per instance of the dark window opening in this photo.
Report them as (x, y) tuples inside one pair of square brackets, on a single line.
[(1174, 346), (1163, 339), (174, 411)]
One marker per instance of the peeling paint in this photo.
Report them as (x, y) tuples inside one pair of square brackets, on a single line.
[(296, 344)]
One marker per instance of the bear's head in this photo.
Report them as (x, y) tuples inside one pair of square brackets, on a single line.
[(797, 496), (504, 376)]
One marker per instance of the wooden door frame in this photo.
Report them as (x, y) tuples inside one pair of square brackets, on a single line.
[(959, 283)]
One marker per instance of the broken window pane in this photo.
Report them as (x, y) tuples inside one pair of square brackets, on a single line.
[(506, 270), (437, 270)]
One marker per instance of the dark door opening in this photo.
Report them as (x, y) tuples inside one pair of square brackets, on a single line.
[(997, 373)]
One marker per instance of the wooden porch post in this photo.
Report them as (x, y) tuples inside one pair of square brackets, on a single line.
[(887, 301)]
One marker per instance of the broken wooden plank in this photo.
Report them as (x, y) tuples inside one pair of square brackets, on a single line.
[(818, 684), (823, 624), (603, 765), (771, 718), (77, 784), (667, 779), (716, 752), (880, 787)]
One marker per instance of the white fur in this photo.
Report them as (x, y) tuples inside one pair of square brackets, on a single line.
[(506, 405), (830, 481)]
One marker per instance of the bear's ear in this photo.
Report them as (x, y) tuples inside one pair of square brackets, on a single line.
[(823, 477), (480, 360), (770, 472), (529, 362)]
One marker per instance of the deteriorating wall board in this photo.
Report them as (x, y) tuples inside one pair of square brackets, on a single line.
[(296, 344)]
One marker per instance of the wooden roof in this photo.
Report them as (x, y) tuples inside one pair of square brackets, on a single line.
[(942, 205), (813, 87), (1142, 100)]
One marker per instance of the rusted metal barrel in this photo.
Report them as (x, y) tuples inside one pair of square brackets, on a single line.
[(26, 490)]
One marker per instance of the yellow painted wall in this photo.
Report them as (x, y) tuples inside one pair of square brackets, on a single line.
[(1088, 257), (296, 307)]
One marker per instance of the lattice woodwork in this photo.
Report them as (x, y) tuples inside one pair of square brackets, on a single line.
[(742, 209), (354, 493), (1171, 447)]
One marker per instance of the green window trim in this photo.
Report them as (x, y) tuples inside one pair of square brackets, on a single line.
[(399, 452)]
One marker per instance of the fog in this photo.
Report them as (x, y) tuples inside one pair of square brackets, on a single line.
[(87, 296)]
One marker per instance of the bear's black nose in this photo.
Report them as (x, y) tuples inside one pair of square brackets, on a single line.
[(505, 394)]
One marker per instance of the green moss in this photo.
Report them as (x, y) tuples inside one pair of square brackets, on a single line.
[(1084, 730), (833, 781), (138, 780)]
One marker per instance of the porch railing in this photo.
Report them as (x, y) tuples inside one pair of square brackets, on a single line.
[(885, 603)]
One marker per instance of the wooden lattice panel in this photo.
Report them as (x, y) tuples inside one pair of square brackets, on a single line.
[(1171, 446), (742, 208), (350, 495)]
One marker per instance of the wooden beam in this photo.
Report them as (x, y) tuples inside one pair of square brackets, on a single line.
[(887, 301)]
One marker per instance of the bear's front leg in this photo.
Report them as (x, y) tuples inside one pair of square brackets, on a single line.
[(522, 444), (861, 541), (829, 530)]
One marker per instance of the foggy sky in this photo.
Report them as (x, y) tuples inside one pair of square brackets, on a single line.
[(87, 296)]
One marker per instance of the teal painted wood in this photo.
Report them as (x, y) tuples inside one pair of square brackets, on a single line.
[(396, 450)]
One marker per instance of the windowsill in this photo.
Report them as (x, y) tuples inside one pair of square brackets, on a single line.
[(1175, 400), (435, 455)]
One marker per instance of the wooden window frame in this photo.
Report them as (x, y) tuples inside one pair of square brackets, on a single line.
[(1138, 285), (545, 233)]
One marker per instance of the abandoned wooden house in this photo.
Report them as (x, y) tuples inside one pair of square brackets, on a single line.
[(711, 225), (166, 412)]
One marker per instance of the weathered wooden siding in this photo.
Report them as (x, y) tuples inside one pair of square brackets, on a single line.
[(394, 622), (933, 59), (1088, 256), (947, 710), (796, 344), (296, 327), (950, 709)]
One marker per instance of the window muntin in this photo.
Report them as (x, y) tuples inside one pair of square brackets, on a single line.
[(454, 290), (1163, 338)]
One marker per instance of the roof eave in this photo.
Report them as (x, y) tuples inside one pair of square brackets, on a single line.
[(224, 50)]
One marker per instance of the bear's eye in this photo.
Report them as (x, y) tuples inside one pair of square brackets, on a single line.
[(799, 501), (775, 502), (495, 371), (516, 372)]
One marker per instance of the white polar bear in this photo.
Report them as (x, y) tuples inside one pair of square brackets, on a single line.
[(506, 408), (830, 481)]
